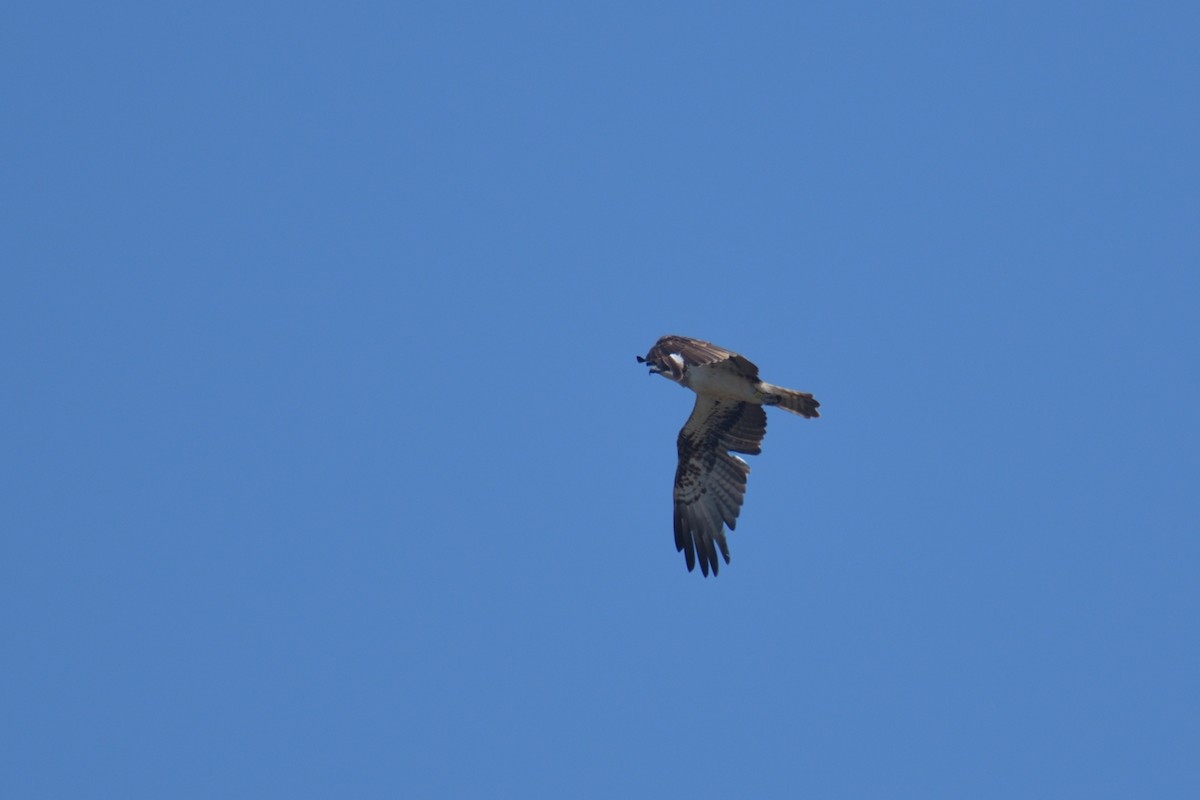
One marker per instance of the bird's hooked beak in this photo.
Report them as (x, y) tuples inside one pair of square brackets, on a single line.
[(654, 368)]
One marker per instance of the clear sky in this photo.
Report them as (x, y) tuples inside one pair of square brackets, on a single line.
[(328, 470)]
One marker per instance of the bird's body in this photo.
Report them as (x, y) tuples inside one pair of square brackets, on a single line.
[(717, 380), (728, 417)]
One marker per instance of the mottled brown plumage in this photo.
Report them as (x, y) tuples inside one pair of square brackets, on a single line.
[(710, 482)]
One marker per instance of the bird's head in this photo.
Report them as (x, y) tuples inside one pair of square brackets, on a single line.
[(669, 367)]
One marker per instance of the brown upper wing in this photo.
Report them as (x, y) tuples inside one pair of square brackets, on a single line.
[(697, 353), (710, 483)]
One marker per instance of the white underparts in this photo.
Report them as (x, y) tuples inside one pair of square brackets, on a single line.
[(718, 380)]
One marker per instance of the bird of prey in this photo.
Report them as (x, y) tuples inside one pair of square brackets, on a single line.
[(710, 483)]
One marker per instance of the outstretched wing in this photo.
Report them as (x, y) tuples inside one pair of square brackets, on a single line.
[(710, 484), (697, 353)]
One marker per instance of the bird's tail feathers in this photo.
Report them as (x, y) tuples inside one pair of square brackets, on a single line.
[(801, 403)]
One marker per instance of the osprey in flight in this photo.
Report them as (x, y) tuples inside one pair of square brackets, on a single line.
[(729, 417)]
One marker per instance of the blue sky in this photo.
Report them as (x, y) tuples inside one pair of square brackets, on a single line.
[(329, 470)]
